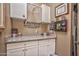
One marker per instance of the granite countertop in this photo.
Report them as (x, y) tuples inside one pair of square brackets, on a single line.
[(28, 38)]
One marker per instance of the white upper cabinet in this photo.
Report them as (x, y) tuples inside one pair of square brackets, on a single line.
[(45, 13), (34, 13), (18, 10)]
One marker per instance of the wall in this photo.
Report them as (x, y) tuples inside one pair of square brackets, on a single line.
[(19, 24), (2, 40), (63, 42), (7, 30)]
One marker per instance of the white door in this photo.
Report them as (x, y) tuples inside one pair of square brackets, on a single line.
[(45, 14), (16, 52), (43, 50), (18, 10), (31, 48), (51, 47), (31, 51)]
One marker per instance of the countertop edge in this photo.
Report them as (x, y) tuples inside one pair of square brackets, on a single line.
[(9, 42)]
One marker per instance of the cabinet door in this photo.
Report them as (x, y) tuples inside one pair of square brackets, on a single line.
[(37, 14), (18, 10), (43, 48), (16, 52), (31, 51), (34, 13), (45, 14), (51, 47), (31, 48), (2, 18), (15, 49)]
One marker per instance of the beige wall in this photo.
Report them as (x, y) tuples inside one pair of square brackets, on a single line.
[(63, 38), (7, 30), (19, 24)]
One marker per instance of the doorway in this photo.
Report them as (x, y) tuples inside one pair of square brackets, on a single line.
[(78, 33), (74, 29)]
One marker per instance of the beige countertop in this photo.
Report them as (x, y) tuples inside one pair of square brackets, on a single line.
[(28, 38)]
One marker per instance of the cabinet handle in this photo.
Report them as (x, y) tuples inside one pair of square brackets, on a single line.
[(25, 49), (23, 15)]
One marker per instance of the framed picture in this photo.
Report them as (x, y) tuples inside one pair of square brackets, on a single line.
[(61, 9), (58, 26), (61, 25), (64, 25)]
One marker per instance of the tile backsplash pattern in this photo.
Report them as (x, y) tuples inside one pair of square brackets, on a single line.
[(33, 25)]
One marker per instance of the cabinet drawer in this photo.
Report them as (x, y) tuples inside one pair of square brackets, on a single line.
[(43, 42), (31, 43), (15, 45)]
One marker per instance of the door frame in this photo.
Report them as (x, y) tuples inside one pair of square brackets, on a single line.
[(74, 20)]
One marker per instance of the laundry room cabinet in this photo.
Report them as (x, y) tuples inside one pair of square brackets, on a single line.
[(23, 49), (32, 48), (47, 47), (18, 10), (16, 52), (45, 14), (34, 13), (15, 49), (43, 48)]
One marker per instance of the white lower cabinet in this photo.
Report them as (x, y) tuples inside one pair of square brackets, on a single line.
[(16, 52), (32, 48), (43, 50), (47, 47), (15, 49), (51, 47), (31, 51)]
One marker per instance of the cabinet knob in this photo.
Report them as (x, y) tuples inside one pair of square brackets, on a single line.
[(25, 49), (23, 15)]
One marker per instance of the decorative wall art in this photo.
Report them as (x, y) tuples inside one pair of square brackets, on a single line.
[(58, 26), (61, 25), (61, 9)]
